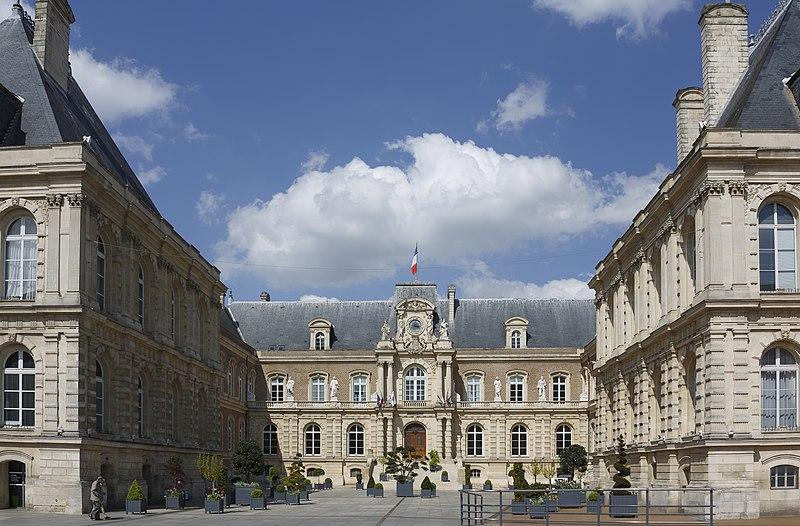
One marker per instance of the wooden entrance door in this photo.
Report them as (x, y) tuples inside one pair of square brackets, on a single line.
[(415, 438)]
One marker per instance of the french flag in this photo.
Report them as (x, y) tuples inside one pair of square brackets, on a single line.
[(414, 261)]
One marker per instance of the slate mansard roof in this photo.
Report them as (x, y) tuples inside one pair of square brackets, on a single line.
[(51, 114), (763, 100), (478, 324)]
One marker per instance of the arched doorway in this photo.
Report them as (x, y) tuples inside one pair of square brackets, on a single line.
[(16, 484), (414, 437)]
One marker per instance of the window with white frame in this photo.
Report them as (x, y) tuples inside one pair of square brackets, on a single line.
[(270, 439), (230, 433), (100, 274), (783, 477), (776, 248), (415, 384), (474, 388), (516, 339), (779, 376), (360, 388), (519, 441), (140, 297), (229, 387), (355, 440), (563, 438), (251, 386), (516, 388), (313, 440), (242, 393), (19, 390), (99, 397), (20, 259), (474, 441), (172, 315), (276, 386), (139, 407), (318, 388), (559, 388), (319, 341), (475, 473)]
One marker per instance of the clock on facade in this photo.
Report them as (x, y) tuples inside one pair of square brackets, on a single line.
[(415, 326)]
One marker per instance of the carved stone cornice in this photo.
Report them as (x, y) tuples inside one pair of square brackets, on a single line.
[(738, 188), (667, 228), (129, 237), (76, 200), (54, 200), (164, 264)]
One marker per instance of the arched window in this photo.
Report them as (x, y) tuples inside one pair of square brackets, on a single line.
[(519, 441), (319, 341), (241, 430), (230, 433), (170, 403), (270, 439), (242, 394), (559, 388), (313, 440), (20, 269), (140, 297), (230, 387), (474, 441), (355, 440), (172, 315), (415, 384), (779, 372), (783, 477), (776, 248), (355, 472), (360, 388), (99, 398), (251, 386), (318, 388), (516, 340), (563, 438), (139, 407), (276, 389), (474, 388), (19, 390), (516, 388), (100, 284)]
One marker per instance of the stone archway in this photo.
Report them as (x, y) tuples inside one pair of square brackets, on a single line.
[(414, 436)]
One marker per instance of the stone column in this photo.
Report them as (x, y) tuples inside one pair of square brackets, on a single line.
[(381, 386), (390, 386)]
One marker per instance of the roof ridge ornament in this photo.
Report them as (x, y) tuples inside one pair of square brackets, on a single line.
[(771, 19)]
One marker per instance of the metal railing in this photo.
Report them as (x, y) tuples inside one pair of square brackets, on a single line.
[(589, 507), (428, 404)]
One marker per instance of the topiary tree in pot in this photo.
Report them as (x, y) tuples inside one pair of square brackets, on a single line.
[(403, 464), (517, 474), (467, 477), (295, 482), (212, 469), (622, 503), (370, 486), (173, 468), (248, 461), (427, 488), (434, 460), (134, 501)]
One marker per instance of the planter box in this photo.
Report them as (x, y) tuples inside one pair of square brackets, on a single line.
[(292, 498), (519, 508), (173, 503), (135, 506), (359, 486), (594, 506), (258, 503), (377, 492), (215, 506), (308, 488), (427, 493), (329, 485), (405, 489), (466, 487), (383, 477), (304, 494), (538, 511), (552, 506), (370, 492), (487, 488), (623, 505), (319, 487), (279, 496), (242, 495), (445, 478), (571, 499)]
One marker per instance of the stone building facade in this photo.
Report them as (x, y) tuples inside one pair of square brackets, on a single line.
[(483, 382), (698, 321)]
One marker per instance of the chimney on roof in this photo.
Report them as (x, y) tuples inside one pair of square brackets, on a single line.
[(264, 296), (689, 111), (51, 38), (451, 304), (724, 48)]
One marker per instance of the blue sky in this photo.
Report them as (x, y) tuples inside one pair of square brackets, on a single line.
[(306, 146)]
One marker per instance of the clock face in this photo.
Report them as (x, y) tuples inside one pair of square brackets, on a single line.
[(415, 326)]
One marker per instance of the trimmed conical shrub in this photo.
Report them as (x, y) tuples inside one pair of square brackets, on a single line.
[(621, 481)]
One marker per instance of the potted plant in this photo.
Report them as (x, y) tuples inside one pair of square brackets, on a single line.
[(174, 496), (467, 478), (538, 507), (594, 501), (213, 470), (370, 486), (248, 461), (535, 468), (402, 465), (549, 470), (622, 503), (434, 461), (134, 502), (257, 499), (445, 476), (280, 492), (427, 489), (377, 491), (383, 476), (359, 482), (487, 485), (317, 472), (215, 502), (328, 483), (570, 495), (295, 482), (305, 490), (518, 505), (552, 502)]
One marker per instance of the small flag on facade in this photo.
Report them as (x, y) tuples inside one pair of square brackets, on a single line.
[(414, 261)]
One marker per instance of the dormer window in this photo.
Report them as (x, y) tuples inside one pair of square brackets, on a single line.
[(319, 332), (516, 333)]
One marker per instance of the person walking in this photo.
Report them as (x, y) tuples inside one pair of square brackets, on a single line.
[(98, 499)]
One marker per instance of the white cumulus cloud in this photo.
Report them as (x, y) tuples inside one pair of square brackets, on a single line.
[(135, 144), (208, 206), (121, 89), (482, 283), (527, 102), (316, 160), (152, 175), (634, 18), (358, 222), (5, 8)]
